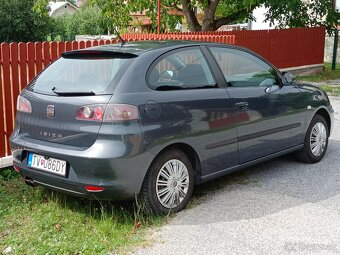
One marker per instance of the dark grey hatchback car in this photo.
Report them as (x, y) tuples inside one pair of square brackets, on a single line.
[(154, 119)]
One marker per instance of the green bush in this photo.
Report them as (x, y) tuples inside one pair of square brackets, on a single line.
[(87, 21), (19, 23)]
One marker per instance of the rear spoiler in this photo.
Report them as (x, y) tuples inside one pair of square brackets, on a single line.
[(97, 54)]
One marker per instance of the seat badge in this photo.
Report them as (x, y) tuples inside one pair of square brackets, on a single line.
[(50, 111)]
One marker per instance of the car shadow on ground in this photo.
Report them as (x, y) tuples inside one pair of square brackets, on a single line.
[(253, 192), (265, 189)]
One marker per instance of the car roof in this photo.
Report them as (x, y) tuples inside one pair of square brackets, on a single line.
[(139, 47)]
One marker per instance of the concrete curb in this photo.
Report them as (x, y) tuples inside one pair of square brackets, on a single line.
[(6, 161)]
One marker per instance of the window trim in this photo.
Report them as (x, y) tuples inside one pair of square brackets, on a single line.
[(170, 52), (244, 50)]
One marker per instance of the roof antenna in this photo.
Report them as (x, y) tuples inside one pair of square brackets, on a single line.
[(122, 41)]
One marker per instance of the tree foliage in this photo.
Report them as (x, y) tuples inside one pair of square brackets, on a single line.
[(87, 21), (19, 22), (297, 13), (289, 13), (117, 13), (216, 13)]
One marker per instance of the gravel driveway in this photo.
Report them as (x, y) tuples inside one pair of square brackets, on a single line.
[(278, 207)]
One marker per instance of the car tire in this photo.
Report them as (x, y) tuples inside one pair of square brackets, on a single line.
[(168, 184), (316, 141)]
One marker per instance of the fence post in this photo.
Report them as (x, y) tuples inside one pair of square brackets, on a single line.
[(335, 48)]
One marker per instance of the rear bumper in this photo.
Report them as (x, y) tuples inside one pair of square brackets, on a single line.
[(117, 167)]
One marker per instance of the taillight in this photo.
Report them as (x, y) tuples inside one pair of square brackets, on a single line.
[(23, 105), (113, 112), (120, 112), (90, 112)]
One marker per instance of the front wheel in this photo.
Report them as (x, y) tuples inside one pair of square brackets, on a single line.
[(316, 141), (169, 183)]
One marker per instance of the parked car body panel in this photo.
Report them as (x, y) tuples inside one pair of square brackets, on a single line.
[(117, 156)]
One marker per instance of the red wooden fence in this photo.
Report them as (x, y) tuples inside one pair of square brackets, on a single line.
[(20, 62), (282, 47)]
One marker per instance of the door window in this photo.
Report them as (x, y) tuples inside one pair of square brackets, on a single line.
[(181, 69), (242, 69)]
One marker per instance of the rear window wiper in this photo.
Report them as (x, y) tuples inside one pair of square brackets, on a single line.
[(73, 93)]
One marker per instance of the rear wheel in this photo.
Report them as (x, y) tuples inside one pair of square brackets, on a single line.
[(169, 183), (316, 141)]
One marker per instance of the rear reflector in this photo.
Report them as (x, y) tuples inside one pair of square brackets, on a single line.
[(23, 105), (16, 168), (91, 188)]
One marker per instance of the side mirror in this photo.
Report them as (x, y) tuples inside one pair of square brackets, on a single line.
[(288, 77), (167, 75), (272, 89)]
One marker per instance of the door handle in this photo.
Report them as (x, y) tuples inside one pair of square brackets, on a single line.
[(242, 104)]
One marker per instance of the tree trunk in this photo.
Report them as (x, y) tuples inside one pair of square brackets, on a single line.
[(190, 16), (208, 23)]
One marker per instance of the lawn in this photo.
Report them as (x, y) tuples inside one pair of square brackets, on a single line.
[(332, 90), (324, 77), (327, 74), (39, 221)]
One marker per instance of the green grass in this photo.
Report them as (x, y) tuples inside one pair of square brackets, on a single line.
[(327, 74), (331, 90), (39, 221)]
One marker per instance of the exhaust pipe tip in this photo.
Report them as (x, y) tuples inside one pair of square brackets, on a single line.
[(30, 182)]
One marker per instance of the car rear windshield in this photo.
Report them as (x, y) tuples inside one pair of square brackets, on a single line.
[(85, 73)]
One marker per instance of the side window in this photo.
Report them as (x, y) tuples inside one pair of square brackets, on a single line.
[(181, 69), (243, 69)]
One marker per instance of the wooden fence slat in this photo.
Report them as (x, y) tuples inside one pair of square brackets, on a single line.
[(2, 120), (14, 75), (23, 64), (38, 56), (61, 48), (7, 95), (54, 51), (75, 45), (30, 61), (81, 45), (46, 53), (88, 44), (68, 46)]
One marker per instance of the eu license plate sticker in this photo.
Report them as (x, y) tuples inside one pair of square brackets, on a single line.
[(51, 165)]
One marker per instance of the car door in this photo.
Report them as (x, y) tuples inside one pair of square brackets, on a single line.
[(268, 114), (188, 107)]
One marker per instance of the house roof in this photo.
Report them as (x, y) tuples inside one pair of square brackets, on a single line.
[(54, 6)]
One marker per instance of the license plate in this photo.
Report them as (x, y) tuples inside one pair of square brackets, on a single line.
[(47, 164)]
